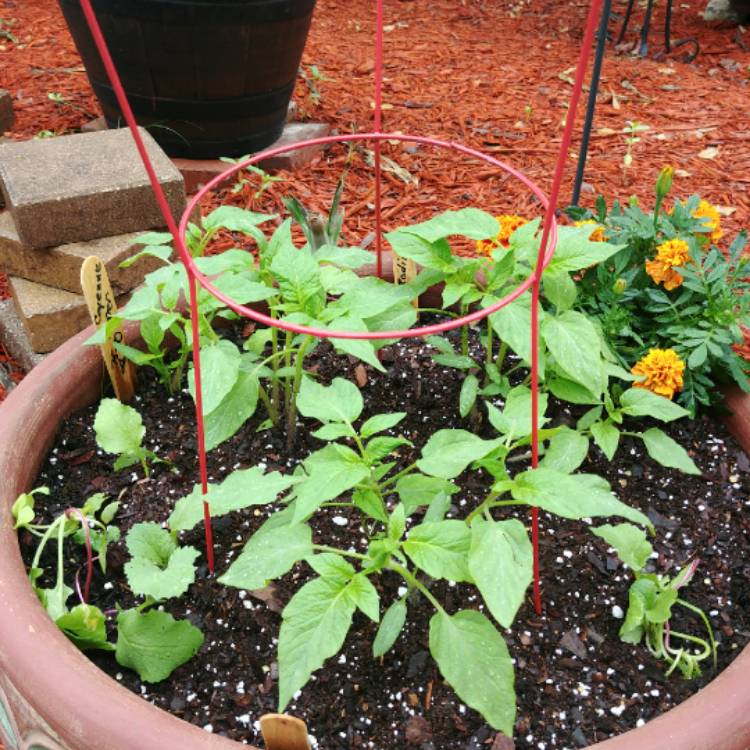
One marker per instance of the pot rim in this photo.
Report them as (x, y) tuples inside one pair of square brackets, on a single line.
[(83, 705)]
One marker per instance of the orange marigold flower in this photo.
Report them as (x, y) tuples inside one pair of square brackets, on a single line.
[(712, 219), (673, 252), (508, 224), (597, 235), (661, 372), (670, 254)]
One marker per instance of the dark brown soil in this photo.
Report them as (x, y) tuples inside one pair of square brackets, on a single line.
[(576, 682)]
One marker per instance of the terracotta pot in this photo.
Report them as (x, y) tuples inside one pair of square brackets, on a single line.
[(54, 698)]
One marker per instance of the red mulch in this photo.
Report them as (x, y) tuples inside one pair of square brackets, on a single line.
[(490, 74)]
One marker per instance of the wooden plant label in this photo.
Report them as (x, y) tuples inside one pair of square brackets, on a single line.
[(282, 732), (100, 300), (404, 271)]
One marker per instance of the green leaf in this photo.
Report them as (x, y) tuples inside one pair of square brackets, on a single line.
[(269, 555), (568, 390), (667, 452), (515, 418), (468, 395), (314, 626), (162, 252), (501, 564), (572, 495), (415, 490), (345, 257), (591, 416), (567, 450), (149, 579), (118, 427), (380, 447), (364, 350), (23, 507), (54, 600), (334, 431), (234, 260), (299, 280), (575, 251), (633, 625), (431, 255), (559, 289), (512, 324), (574, 342), (330, 471), (467, 222), (339, 402), (220, 366), (233, 411), (441, 549), (380, 423), (640, 402), (607, 437), (154, 644), (473, 658), (448, 452), (370, 296), (369, 502), (85, 626), (630, 542), (390, 627), (235, 219), (241, 489), (331, 565), (364, 595)]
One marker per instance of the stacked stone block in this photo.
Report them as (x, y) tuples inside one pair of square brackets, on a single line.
[(68, 198)]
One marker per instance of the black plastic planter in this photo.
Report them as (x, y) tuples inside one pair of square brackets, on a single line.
[(208, 78)]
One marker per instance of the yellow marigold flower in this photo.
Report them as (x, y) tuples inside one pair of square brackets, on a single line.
[(673, 252), (713, 219), (661, 372), (508, 224), (597, 235)]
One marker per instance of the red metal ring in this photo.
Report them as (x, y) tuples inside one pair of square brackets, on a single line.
[(368, 335)]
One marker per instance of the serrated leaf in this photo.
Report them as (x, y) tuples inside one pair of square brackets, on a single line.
[(441, 549), (501, 564), (572, 495), (364, 595), (315, 623), (640, 402), (567, 450), (243, 488), (473, 658), (448, 452), (331, 565), (630, 542), (390, 627), (118, 427), (269, 555), (339, 402), (667, 452), (235, 219), (369, 502), (148, 579), (155, 644)]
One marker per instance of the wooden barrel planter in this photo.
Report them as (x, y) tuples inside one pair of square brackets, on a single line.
[(208, 78)]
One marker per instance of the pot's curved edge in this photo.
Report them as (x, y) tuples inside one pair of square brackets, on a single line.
[(116, 719), (82, 706)]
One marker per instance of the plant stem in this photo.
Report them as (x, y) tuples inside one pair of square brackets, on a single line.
[(291, 408), (414, 582), (488, 353), (336, 551), (698, 611), (396, 477), (501, 356), (464, 334)]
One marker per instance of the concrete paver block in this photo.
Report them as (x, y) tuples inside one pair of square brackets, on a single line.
[(198, 172), (14, 338), (50, 316), (80, 187), (61, 266), (7, 115)]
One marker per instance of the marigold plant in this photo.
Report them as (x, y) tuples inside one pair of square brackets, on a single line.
[(661, 371), (597, 234), (711, 219), (670, 254)]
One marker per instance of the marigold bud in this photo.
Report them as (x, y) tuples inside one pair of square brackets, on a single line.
[(664, 183), (620, 286)]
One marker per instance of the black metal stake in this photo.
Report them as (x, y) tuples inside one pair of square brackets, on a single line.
[(601, 41)]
